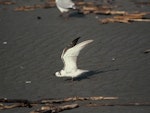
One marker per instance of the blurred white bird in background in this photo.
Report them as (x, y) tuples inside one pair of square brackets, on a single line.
[(65, 5)]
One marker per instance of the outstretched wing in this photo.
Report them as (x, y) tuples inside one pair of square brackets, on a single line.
[(70, 56), (73, 43)]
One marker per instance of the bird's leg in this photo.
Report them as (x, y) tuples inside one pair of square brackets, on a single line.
[(72, 79), (61, 15), (65, 15)]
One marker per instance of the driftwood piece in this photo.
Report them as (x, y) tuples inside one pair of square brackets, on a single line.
[(55, 109), (71, 99), (2, 106), (95, 8), (7, 2), (147, 51), (52, 101), (29, 104), (119, 104), (48, 4), (24, 101), (55, 105), (92, 7), (109, 12), (126, 18), (82, 3), (99, 10)]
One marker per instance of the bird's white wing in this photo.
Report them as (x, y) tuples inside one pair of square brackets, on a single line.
[(70, 56), (65, 3)]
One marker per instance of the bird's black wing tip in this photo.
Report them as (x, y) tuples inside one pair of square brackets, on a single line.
[(74, 42)]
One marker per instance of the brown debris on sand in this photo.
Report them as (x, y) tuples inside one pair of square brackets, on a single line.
[(126, 18), (119, 104), (48, 4), (58, 105), (16, 105), (50, 105), (92, 7), (51, 101), (55, 109), (120, 16), (7, 2)]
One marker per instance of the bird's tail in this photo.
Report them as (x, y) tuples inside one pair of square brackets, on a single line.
[(74, 7)]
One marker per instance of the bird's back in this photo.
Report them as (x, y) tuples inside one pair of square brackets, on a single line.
[(65, 3)]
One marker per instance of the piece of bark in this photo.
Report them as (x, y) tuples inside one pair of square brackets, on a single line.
[(55, 109), (2, 107)]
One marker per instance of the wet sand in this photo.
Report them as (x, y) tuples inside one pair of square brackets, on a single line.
[(31, 44)]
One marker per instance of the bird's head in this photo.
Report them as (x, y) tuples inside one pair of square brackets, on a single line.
[(57, 74), (60, 73)]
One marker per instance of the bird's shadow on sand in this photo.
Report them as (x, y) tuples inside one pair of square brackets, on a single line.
[(87, 75), (76, 14)]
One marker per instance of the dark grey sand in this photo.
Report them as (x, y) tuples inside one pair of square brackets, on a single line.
[(33, 49)]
